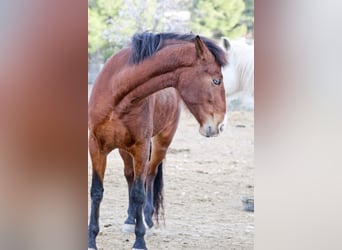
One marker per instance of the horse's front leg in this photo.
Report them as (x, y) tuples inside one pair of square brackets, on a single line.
[(99, 164), (140, 159), (129, 224), (154, 179)]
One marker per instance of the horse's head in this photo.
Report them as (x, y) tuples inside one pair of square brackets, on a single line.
[(202, 90), (229, 71), (239, 73)]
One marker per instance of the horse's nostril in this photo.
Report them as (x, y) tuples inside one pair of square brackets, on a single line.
[(221, 127), (209, 131)]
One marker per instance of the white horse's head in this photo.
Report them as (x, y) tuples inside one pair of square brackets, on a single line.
[(238, 74), (229, 71)]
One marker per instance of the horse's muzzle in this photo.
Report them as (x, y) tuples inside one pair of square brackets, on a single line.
[(208, 130), (212, 129)]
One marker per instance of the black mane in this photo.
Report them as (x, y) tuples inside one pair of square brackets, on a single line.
[(146, 44)]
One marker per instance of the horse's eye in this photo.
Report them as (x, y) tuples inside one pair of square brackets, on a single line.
[(217, 81)]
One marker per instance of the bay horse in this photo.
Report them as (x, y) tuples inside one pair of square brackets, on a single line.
[(136, 101)]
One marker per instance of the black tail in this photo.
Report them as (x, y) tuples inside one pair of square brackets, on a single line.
[(158, 198)]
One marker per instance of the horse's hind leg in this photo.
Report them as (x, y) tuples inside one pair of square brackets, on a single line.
[(96, 192), (140, 160), (154, 179), (129, 224)]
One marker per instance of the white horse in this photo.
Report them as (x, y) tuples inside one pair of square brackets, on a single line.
[(238, 75)]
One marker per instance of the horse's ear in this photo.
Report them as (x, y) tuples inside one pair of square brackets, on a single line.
[(226, 44), (201, 49)]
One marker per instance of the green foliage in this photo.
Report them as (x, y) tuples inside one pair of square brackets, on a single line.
[(101, 16), (217, 18), (248, 16), (96, 26), (111, 23)]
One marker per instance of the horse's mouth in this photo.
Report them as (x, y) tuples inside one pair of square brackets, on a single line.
[(211, 128), (209, 131)]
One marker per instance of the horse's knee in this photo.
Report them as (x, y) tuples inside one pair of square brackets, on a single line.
[(138, 192)]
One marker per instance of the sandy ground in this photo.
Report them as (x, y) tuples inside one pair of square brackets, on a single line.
[(204, 180)]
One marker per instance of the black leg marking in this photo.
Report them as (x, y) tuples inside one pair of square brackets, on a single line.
[(148, 209), (96, 195), (158, 196), (138, 196), (130, 211)]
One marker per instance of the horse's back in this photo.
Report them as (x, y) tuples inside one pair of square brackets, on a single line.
[(245, 68)]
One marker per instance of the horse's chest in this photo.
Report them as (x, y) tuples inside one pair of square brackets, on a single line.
[(132, 128)]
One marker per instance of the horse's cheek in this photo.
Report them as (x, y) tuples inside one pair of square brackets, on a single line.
[(223, 94)]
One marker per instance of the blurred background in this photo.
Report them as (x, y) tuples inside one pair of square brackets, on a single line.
[(212, 218), (43, 126), (111, 24)]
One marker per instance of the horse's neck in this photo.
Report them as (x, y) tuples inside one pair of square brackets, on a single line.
[(144, 90), (155, 73)]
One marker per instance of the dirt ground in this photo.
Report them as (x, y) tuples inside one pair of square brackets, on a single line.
[(204, 179)]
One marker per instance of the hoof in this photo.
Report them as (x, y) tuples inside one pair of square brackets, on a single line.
[(139, 248), (91, 249), (128, 228)]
